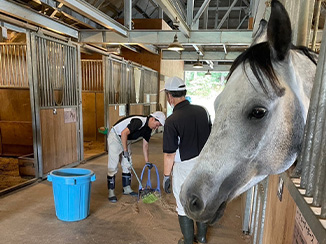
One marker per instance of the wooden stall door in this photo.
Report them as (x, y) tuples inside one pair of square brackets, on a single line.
[(56, 84), (59, 140), (99, 115), (89, 116)]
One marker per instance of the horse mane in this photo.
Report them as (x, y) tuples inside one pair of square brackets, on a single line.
[(260, 61)]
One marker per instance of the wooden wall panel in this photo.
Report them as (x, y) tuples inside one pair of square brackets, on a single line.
[(15, 105), (114, 115), (10, 150), (136, 109), (148, 24), (95, 56), (16, 132), (280, 215), (59, 140), (99, 115), (0, 143), (171, 68), (145, 58), (89, 116)]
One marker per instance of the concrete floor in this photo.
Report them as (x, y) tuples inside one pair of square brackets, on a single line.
[(28, 215)]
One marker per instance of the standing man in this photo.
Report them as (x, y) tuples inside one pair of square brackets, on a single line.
[(119, 140), (185, 134)]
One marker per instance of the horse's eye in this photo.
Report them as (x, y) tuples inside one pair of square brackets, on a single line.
[(258, 113)]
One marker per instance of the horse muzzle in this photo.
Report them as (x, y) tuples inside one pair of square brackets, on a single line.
[(198, 209)]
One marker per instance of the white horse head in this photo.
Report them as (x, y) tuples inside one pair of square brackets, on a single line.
[(259, 121)]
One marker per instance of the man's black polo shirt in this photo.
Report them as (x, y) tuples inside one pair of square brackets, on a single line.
[(189, 123)]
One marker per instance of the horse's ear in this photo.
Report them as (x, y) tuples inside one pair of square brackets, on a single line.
[(279, 33), (261, 34)]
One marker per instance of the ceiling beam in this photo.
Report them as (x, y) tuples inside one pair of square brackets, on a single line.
[(199, 50), (239, 37), (121, 12), (246, 2), (141, 11), (193, 56), (181, 7), (205, 17), (26, 26), (131, 48), (94, 14), (216, 13), (31, 16), (98, 3), (127, 14), (210, 63), (226, 14), (76, 17), (190, 11), (238, 8), (150, 48), (58, 8), (217, 68), (243, 19), (174, 15), (201, 11)]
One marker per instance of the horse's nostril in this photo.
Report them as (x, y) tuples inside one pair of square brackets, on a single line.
[(196, 204)]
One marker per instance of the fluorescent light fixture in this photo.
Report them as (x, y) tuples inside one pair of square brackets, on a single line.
[(175, 45)]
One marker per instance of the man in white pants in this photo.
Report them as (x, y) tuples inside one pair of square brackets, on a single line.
[(185, 134), (119, 141)]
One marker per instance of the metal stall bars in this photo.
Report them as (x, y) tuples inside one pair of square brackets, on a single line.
[(93, 99), (92, 77), (151, 82), (57, 95), (136, 99), (16, 129), (117, 89), (252, 224), (308, 184), (255, 209), (13, 66), (312, 160)]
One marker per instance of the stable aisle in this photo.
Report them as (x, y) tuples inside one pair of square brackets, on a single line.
[(28, 215)]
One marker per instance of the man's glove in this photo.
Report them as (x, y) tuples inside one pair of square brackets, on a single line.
[(126, 154), (149, 165), (167, 184)]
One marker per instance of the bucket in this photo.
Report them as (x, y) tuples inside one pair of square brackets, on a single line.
[(71, 191)]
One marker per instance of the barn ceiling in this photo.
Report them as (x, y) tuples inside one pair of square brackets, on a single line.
[(215, 31)]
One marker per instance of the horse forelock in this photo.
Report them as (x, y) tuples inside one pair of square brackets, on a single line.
[(260, 62)]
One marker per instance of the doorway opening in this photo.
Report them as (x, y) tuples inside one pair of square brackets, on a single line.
[(203, 89)]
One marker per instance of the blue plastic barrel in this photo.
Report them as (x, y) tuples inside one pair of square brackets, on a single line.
[(71, 191)]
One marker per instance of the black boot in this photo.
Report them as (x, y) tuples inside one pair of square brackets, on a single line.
[(201, 232), (111, 186), (126, 182), (187, 229)]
